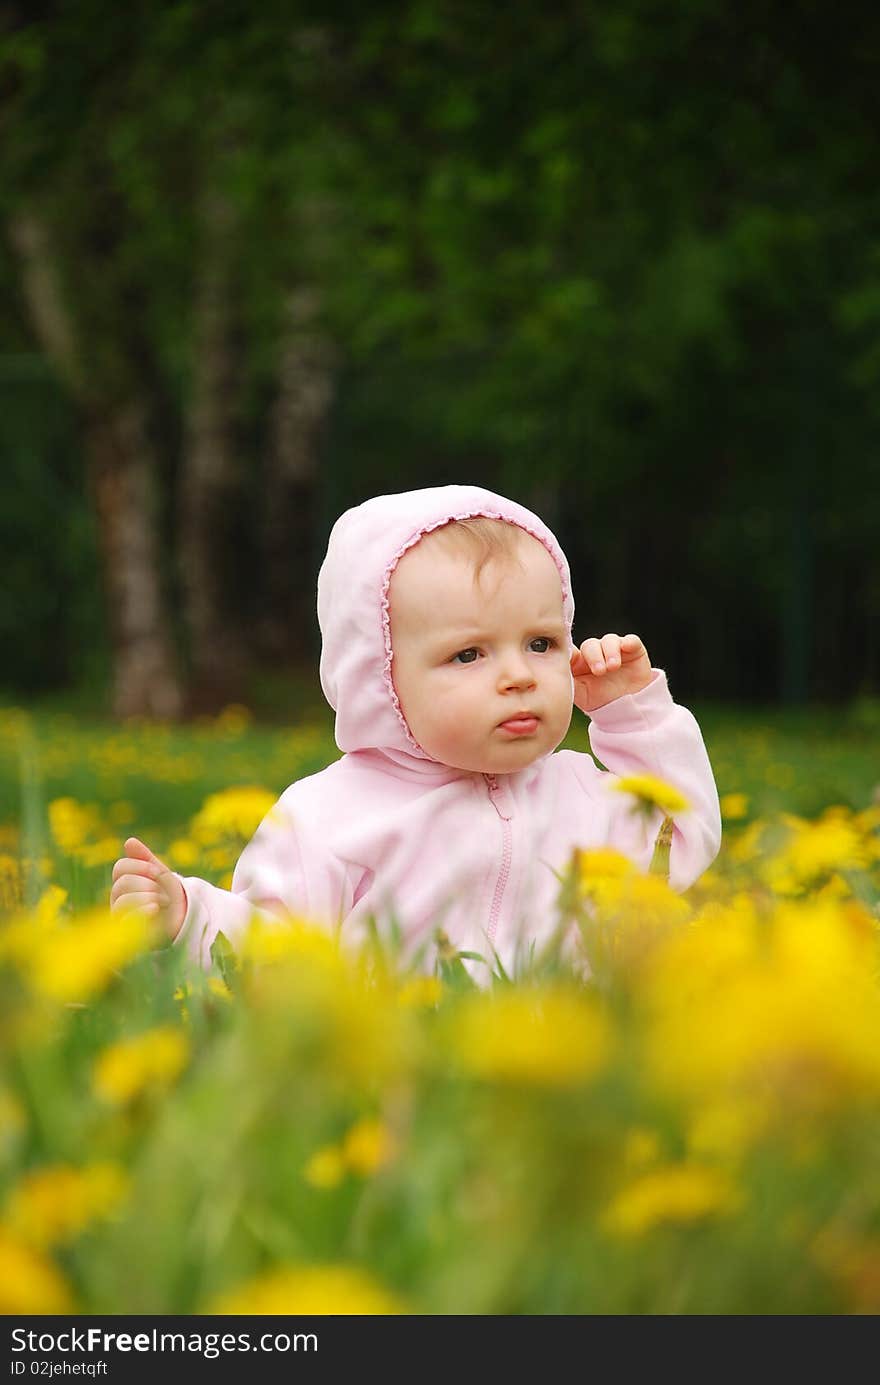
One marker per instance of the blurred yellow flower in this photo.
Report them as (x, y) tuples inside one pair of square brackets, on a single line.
[(647, 901), (651, 792), (74, 962), (72, 823), (29, 1282), (813, 850), (296, 968), (676, 1194), (367, 1146), (343, 1290), (726, 1129), (326, 1168), (734, 805), (551, 1036), (233, 720), (49, 906), (746, 845), (231, 814), (100, 853), (421, 992), (291, 939), (126, 1069), (53, 1205), (790, 1008), (183, 853), (600, 864)]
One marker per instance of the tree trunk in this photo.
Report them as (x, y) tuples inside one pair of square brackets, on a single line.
[(305, 393), (208, 476), (122, 469)]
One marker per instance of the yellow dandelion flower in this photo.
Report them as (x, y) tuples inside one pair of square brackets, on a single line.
[(643, 900), (72, 823), (551, 1036), (128, 1068), (675, 1195), (651, 792), (293, 938), (183, 853), (601, 864), (726, 1129), (336, 1290), (53, 1205), (234, 814), (421, 992), (76, 962), (326, 1168), (791, 1010), (815, 849), (233, 720), (29, 1282), (746, 845), (367, 1146), (628, 918), (100, 853), (734, 806), (49, 905)]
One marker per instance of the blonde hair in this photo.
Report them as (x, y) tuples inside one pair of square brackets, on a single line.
[(484, 540)]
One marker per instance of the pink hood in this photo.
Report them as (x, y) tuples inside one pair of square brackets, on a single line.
[(365, 545)]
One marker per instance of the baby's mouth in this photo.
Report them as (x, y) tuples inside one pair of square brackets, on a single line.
[(523, 724)]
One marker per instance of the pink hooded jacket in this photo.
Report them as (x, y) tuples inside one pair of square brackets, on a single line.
[(387, 831)]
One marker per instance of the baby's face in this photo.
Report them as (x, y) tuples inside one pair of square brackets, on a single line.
[(466, 658)]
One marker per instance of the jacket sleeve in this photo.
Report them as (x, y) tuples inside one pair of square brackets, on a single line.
[(647, 733), (282, 871)]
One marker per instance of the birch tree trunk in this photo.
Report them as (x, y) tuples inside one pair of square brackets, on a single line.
[(122, 470), (305, 393), (208, 476)]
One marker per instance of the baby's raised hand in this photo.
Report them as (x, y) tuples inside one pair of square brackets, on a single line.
[(608, 668), (144, 883)]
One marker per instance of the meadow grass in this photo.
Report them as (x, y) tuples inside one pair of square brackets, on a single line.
[(693, 1128)]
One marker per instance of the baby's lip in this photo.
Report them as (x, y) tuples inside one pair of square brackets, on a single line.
[(520, 716)]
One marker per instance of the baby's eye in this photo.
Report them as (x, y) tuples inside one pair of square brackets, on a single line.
[(462, 652), (544, 639)]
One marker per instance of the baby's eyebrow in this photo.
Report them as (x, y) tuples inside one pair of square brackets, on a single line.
[(471, 632)]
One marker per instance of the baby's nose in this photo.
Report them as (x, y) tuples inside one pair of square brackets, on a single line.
[(517, 674)]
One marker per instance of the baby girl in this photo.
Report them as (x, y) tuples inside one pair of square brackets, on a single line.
[(446, 617)]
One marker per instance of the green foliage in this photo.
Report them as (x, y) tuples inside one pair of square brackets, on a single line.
[(589, 258)]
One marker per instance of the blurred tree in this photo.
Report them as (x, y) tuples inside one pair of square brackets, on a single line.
[(620, 263)]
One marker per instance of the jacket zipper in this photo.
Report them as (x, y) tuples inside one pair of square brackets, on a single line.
[(506, 856)]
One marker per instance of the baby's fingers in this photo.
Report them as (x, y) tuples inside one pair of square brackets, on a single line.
[(631, 647), (135, 904), (611, 649), (134, 885), (128, 865)]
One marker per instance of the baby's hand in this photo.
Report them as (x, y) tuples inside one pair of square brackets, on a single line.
[(609, 668), (143, 883)]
